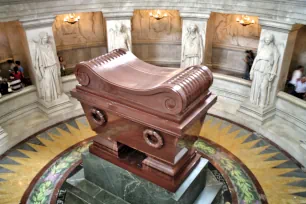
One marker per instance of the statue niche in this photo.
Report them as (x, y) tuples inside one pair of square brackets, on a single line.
[(46, 69), (120, 37), (263, 72), (192, 47)]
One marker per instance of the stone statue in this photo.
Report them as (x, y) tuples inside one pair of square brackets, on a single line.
[(263, 72), (47, 69), (192, 47), (120, 38)]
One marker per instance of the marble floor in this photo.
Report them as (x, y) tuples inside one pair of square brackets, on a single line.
[(254, 169)]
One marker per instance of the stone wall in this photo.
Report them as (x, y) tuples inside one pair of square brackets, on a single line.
[(299, 53), (81, 41), (13, 45), (231, 40), (157, 41)]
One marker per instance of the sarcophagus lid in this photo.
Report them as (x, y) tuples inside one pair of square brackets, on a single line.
[(167, 92)]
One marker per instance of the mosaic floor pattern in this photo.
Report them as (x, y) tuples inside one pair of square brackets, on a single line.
[(255, 170)]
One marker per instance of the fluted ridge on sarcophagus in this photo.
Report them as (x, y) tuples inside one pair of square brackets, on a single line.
[(120, 75)]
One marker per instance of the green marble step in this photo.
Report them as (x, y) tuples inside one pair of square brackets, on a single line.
[(81, 191)]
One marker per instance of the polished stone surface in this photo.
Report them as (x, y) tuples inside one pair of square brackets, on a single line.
[(134, 189), (251, 157), (81, 190)]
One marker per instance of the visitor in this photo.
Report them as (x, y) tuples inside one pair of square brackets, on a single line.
[(249, 59), (11, 64), (20, 68), (16, 74), (15, 78), (62, 65), (4, 86), (296, 75), (300, 88)]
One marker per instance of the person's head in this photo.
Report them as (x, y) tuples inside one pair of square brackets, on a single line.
[(43, 37), (249, 53), (269, 39), (16, 69), (60, 58), (18, 63), (10, 61), (300, 67), (122, 28), (193, 28), (303, 79)]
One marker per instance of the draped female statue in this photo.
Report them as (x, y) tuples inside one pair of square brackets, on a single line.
[(192, 47), (263, 72), (47, 69), (120, 37)]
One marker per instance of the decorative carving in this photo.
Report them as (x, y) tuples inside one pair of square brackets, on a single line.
[(229, 32), (264, 71), (153, 139), (90, 30), (146, 28), (47, 69), (193, 81), (83, 78), (98, 116), (119, 37), (170, 103), (192, 50)]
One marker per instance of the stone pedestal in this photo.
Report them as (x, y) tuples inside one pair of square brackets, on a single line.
[(283, 37), (118, 29), (3, 137), (54, 107), (261, 115), (101, 180), (201, 52)]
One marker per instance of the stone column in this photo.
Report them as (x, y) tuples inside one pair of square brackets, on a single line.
[(196, 42), (45, 65), (270, 68), (3, 140), (118, 29)]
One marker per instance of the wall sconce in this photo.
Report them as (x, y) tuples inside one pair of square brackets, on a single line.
[(158, 15), (71, 18), (245, 20)]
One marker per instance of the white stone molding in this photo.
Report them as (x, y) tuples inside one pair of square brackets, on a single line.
[(286, 11), (278, 26), (42, 22), (117, 15)]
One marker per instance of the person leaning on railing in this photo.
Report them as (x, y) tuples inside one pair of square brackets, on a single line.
[(16, 78), (300, 88)]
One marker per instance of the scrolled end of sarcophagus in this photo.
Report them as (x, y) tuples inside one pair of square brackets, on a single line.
[(124, 78)]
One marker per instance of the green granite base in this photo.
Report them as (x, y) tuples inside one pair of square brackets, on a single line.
[(133, 189), (81, 191)]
